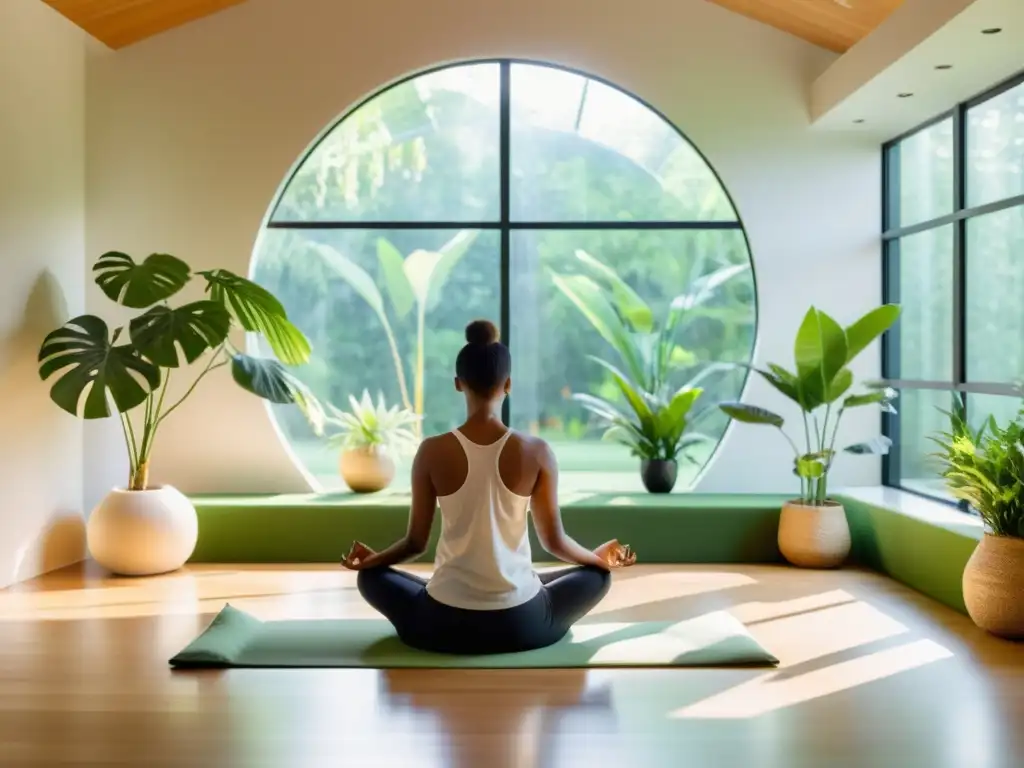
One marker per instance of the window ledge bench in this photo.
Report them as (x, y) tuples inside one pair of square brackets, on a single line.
[(921, 543)]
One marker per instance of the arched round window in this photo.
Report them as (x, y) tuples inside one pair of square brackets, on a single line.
[(573, 215)]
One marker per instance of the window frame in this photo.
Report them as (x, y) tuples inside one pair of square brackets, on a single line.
[(505, 224), (892, 236)]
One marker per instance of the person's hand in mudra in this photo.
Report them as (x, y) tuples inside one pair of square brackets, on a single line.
[(357, 557), (616, 555)]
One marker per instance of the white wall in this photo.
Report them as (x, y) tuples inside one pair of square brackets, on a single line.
[(191, 133), (42, 251)]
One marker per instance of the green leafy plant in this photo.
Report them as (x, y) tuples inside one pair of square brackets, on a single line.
[(372, 425), (413, 283), (657, 423), (985, 468), (647, 349), (822, 352), (100, 372), (653, 428)]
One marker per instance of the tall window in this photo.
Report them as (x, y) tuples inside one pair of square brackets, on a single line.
[(954, 258), (521, 193)]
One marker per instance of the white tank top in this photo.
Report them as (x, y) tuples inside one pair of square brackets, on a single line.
[(483, 557)]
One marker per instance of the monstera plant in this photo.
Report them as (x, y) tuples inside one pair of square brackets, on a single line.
[(127, 372), (813, 530)]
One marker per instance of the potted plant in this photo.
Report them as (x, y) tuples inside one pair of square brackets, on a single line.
[(655, 430), (813, 531), (414, 283), (657, 425), (143, 529), (369, 435), (985, 468)]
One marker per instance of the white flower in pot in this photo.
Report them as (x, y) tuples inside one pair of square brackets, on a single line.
[(813, 530), (985, 468), (370, 435), (143, 529)]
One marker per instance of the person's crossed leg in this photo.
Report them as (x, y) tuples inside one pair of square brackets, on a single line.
[(566, 596)]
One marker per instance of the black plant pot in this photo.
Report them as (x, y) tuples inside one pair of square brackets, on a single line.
[(659, 475)]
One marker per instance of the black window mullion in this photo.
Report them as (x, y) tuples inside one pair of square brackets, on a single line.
[(959, 248), (504, 150), (891, 361), (960, 264), (582, 226), (891, 294)]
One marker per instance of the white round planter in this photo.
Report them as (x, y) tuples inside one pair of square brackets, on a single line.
[(994, 586), (814, 537), (142, 533), (366, 470)]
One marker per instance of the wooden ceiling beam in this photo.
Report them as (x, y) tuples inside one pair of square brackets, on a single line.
[(833, 24), (837, 25), (118, 23)]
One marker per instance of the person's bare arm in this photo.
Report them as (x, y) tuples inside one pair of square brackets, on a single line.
[(547, 517), (421, 518)]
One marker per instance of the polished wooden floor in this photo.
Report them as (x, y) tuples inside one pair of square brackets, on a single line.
[(873, 675)]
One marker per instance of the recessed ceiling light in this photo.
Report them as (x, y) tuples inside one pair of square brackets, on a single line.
[(992, 31), (943, 66), (904, 95)]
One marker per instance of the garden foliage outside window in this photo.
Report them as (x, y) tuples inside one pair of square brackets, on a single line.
[(501, 189)]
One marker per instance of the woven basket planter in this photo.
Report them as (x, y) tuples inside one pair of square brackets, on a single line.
[(994, 586)]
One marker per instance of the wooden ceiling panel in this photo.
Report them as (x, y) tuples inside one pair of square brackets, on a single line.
[(122, 22), (833, 24)]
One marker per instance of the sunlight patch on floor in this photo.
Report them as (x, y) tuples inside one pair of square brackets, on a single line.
[(761, 612), (807, 636), (775, 690), (174, 594), (656, 587)]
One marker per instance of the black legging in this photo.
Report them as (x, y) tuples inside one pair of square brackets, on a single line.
[(424, 623)]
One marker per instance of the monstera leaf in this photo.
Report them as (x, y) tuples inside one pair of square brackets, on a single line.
[(257, 310), (195, 328), (139, 286), (268, 379), (87, 362), (263, 377)]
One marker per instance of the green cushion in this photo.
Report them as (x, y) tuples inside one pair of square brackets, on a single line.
[(236, 639)]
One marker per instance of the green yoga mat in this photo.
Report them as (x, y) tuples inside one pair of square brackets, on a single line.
[(236, 639)]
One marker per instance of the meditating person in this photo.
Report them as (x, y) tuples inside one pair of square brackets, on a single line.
[(484, 596)]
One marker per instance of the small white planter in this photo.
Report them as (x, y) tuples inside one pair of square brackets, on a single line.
[(366, 470), (994, 586), (143, 533), (814, 537)]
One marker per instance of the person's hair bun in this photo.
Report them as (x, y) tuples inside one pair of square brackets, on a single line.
[(482, 332)]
